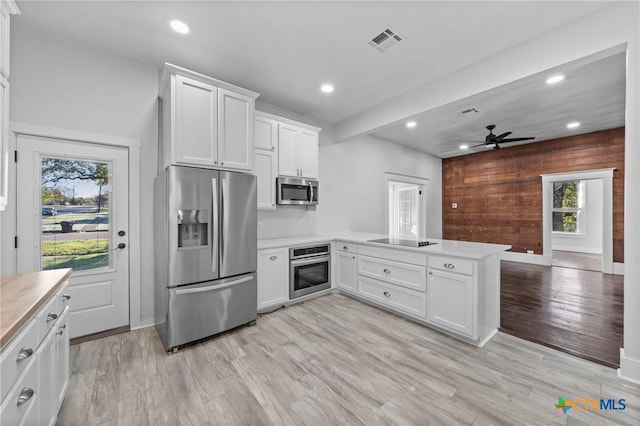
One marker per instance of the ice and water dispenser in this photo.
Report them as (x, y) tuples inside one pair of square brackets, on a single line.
[(192, 228)]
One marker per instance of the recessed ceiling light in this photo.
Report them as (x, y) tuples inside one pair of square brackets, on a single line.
[(573, 125), (326, 88), (555, 79), (464, 146), (179, 26), (411, 124)]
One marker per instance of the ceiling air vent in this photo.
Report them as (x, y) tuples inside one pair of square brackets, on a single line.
[(386, 40)]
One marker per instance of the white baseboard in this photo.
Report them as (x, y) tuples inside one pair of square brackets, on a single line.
[(143, 324), (534, 259), (578, 249), (629, 368), (618, 268)]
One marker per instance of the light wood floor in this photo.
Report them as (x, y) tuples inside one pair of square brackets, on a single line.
[(334, 360)]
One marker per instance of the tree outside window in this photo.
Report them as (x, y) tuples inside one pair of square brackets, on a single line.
[(568, 206)]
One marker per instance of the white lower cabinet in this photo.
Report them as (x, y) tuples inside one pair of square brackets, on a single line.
[(47, 379), (450, 295), (273, 278), (347, 271), (62, 358), (35, 366), (402, 299)]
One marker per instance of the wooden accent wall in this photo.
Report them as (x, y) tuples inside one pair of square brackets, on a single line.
[(499, 192)]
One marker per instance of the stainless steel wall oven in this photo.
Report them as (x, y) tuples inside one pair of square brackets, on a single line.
[(310, 269)]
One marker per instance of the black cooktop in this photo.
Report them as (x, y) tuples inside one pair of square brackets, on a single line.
[(402, 242)]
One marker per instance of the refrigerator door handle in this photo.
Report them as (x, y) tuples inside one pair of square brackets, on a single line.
[(214, 225), (213, 287), (223, 191)]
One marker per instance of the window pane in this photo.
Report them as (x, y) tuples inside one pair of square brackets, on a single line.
[(565, 221), (566, 194), (75, 214)]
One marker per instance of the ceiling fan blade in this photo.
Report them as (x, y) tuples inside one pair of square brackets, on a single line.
[(502, 136), (516, 139)]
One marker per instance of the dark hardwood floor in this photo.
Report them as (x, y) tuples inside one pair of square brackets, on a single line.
[(575, 311)]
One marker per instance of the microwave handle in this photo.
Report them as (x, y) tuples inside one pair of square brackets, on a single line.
[(311, 193)]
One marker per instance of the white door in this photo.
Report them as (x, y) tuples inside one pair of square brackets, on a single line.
[(72, 205)]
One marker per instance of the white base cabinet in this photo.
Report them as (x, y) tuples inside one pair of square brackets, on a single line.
[(273, 278), (35, 366), (450, 301), (347, 271)]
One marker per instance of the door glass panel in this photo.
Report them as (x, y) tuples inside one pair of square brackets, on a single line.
[(75, 214)]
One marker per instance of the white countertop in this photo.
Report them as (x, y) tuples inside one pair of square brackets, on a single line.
[(442, 247)]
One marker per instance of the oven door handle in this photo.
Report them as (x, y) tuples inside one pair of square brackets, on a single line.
[(310, 260)]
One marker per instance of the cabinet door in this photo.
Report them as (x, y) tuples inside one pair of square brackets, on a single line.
[(347, 272), (450, 301), (62, 358), (4, 141), (196, 123), (308, 153), (235, 130), (288, 150), (4, 40), (265, 133), (273, 278), (266, 167), (47, 400)]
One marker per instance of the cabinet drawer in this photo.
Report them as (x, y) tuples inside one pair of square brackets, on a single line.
[(47, 316), (346, 247), (24, 392), (451, 264), (17, 356), (401, 299), (404, 274)]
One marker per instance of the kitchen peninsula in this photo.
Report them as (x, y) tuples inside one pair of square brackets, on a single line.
[(452, 286)]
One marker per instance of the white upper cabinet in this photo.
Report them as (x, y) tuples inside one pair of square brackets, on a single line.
[(7, 8), (266, 167), (205, 122), (196, 123), (265, 132), (298, 150)]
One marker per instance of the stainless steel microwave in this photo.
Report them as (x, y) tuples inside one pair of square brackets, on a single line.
[(296, 191)]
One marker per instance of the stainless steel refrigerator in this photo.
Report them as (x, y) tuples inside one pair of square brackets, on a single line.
[(205, 253)]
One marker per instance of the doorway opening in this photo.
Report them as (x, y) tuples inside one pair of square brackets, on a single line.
[(406, 205)]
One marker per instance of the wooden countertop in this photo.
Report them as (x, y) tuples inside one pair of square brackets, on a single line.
[(21, 295)]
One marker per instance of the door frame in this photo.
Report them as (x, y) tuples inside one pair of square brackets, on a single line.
[(133, 146), (606, 175)]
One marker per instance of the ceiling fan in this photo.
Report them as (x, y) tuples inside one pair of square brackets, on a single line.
[(496, 140)]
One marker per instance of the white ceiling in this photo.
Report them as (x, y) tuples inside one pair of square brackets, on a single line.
[(284, 50)]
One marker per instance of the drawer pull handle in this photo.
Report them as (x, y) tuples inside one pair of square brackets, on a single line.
[(450, 266), (51, 317), (25, 395), (345, 247), (430, 273), (272, 258), (61, 330), (354, 257), (386, 271), (24, 353), (387, 294), (66, 297)]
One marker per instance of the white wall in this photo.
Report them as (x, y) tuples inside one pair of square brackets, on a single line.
[(69, 85), (590, 241), (353, 186)]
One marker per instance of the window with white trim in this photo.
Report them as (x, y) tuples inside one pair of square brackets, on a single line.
[(569, 204)]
